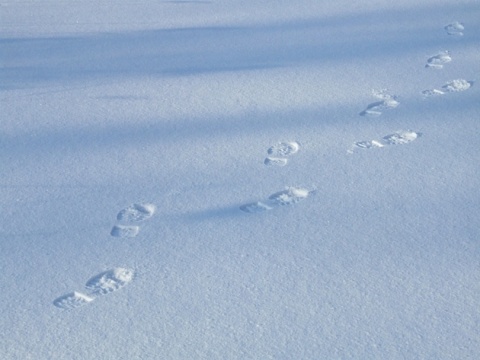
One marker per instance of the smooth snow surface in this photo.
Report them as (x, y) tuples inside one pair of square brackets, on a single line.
[(240, 179)]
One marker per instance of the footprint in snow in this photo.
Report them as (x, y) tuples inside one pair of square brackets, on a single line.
[(278, 153), (398, 138), (125, 231), (289, 196), (133, 213), (110, 281), (256, 207), (103, 283), (271, 161), (72, 300), (437, 61), (456, 28), (136, 213), (457, 85), (401, 137), (386, 102)]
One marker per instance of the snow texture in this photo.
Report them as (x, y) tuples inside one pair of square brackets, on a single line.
[(239, 179)]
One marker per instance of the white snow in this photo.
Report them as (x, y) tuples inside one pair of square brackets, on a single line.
[(139, 218)]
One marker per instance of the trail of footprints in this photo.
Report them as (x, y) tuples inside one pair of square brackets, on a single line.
[(101, 284), (438, 61), (278, 155), (116, 278)]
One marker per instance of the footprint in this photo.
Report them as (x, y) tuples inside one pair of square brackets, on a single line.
[(72, 300), (376, 108), (437, 61), (397, 138), (284, 149), (279, 151), (271, 161), (125, 231), (401, 137), (368, 144), (109, 281), (432, 92), (291, 195), (456, 28), (257, 207), (136, 212), (457, 85), (133, 213)]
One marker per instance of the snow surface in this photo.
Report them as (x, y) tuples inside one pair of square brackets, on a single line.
[(134, 133)]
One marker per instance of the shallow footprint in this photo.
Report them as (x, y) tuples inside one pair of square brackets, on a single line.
[(272, 161), (401, 137), (256, 207), (457, 85), (432, 92), (368, 144), (284, 149), (455, 28), (397, 138), (291, 195), (72, 300), (125, 231), (136, 212), (109, 281), (437, 61), (388, 101)]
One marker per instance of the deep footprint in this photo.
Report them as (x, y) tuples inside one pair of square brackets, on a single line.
[(136, 212), (72, 300), (437, 61), (125, 231), (110, 281)]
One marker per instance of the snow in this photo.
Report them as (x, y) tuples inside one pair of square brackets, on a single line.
[(196, 179)]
